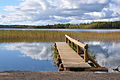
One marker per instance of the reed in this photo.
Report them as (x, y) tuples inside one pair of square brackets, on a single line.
[(54, 36)]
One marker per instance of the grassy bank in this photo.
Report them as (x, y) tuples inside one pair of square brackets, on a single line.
[(53, 36)]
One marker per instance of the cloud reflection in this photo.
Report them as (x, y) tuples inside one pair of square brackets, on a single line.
[(38, 51), (107, 54)]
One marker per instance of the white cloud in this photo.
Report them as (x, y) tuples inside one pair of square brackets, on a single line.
[(109, 12), (62, 11), (38, 51), (114, 8)]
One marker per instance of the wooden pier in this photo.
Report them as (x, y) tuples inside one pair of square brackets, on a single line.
[(73, 56)]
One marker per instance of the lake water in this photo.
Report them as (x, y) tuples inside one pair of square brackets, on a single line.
[(27, 56), (71, 30), (38, 56), (107, 54)]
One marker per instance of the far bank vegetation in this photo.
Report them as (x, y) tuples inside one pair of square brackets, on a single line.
[(93, 25), (53, 36)]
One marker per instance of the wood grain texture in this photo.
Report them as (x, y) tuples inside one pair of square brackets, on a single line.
[(70, 59)]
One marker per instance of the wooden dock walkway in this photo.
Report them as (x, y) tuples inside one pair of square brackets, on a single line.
[(71, 59)]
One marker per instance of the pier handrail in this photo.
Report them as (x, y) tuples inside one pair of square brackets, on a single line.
[(80, 45), (75, 42), (84, 46)]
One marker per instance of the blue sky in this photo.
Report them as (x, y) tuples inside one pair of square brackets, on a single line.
[(4, 3), (9, 2), (41, 12)]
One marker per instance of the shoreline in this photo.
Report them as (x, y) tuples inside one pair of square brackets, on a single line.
[(64, 75)]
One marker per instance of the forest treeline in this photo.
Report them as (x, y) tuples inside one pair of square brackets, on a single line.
[(93, 25)]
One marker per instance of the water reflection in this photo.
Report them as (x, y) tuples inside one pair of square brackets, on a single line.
[(38, 56), (38, 51), (26, 56), (107, 54)]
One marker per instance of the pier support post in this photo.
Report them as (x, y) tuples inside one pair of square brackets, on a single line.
[(66, 40), (86, 53), (79, 51)]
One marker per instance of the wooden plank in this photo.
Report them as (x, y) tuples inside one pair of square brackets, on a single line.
[(97, 69), (69, 57), (73, 60), (73, 65)]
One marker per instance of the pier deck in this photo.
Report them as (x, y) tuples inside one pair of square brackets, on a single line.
[(70, 59), (73, 55)]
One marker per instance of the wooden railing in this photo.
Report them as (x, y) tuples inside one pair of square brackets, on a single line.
[(81, 49)]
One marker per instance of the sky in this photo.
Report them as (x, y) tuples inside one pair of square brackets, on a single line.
[(43, 12)]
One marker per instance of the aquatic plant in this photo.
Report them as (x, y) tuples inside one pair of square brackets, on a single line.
[(55, 36)]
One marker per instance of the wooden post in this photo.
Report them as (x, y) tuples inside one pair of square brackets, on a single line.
[(86, 53), (66, 40), (55, 46), (69, 41), (61, 68), (78, 49), (73, 45)]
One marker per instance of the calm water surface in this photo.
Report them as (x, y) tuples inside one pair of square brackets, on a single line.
[(38, 56), (107, 54), (71, 30), (26, 56)]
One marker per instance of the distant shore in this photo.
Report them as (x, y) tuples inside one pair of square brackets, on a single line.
[(37, 75), (93, 25)]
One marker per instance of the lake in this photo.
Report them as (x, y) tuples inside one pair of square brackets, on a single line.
[(38, 56), (107, 54), (27, 57), (71, 30)]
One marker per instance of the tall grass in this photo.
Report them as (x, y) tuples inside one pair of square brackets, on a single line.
[(53, 36)]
